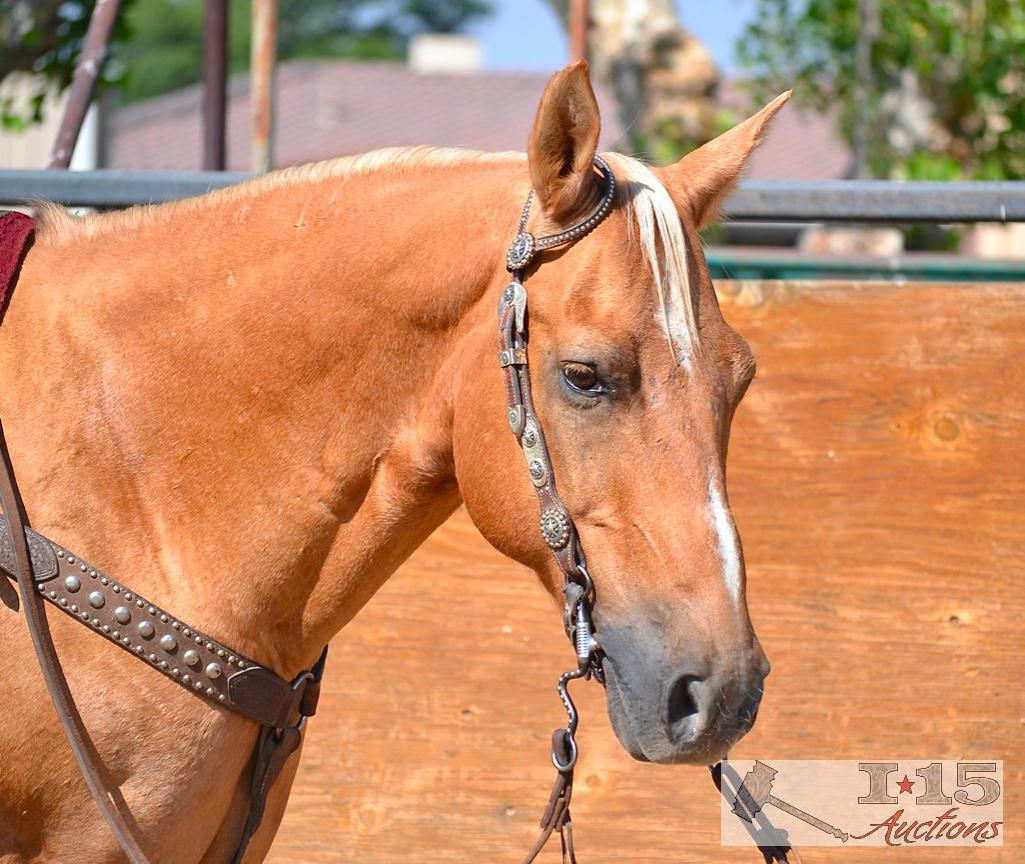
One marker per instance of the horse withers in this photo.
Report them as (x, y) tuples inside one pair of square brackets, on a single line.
[(254, 405)]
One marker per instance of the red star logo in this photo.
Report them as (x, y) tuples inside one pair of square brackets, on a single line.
[(905, 785)]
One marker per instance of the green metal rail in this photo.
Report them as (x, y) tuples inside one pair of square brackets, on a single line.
[(724, 264)]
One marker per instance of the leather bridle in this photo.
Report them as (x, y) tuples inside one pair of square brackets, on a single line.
[(46, 572), (557, 528)]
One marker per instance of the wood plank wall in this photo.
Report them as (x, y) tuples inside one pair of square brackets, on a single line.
[(877, 473)]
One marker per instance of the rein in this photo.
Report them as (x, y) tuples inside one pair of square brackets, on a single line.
[(557, 528)]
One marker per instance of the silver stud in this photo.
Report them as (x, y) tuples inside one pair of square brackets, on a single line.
[(232, 659), (163, 664), (163, 619), (72, 583), (97, 600), (139, 649), (221, 654), (187, 631), (145, 629), (176, 671), (93, 573), (175, 625), (167, 642), (96, 622), (198, 685), (555, 528), (74, 607), (210, 691), (129, 596), (105, 628), (241, 664), (116, 589), (191, 658), (104, 580), (222, 698), (122, 615), (152, 610), (186, 678), (60, 553), (213, 670), (152, 658), (139, 603), (64, 601), (71, 559), (53, 595), (199, 640), (209, 646), (125, 640), (82, 567)]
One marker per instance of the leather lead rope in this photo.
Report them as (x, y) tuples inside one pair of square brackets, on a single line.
[(556, 524)]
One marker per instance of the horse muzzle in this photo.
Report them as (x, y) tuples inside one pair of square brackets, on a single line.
[(691, 711)]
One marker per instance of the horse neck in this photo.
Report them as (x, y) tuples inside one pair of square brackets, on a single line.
[(259, 432)]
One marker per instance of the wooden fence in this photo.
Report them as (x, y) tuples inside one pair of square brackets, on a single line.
[(877, 474)]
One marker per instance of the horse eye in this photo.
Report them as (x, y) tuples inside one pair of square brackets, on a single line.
[(582, 377)]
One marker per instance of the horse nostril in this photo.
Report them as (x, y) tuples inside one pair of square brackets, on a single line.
[(683, 708)]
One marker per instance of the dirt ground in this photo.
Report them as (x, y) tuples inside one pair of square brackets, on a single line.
[(877, 474)]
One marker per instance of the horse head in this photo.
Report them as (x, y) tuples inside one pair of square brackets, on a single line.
[(635, 377)]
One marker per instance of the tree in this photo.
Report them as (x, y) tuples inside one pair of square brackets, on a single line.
[(663, 78), (157, 45), (45, 37), (944, 94)]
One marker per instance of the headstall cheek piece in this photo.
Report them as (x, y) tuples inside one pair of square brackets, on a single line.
[(556, 525), (46, 572)]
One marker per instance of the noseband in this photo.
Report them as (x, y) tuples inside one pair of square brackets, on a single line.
[(557, 528)]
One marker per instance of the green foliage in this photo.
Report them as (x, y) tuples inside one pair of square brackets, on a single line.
[(946, 99), (45, 37), (158, 44)]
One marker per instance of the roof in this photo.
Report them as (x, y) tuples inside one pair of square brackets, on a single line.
[(329, 108), (800, 145)]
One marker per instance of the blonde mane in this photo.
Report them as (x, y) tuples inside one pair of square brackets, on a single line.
[(646, 201)]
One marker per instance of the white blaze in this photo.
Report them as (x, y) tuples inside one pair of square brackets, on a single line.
[(726, 537)]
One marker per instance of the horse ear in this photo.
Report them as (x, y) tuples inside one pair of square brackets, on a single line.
[(702, 179), (563, 143)]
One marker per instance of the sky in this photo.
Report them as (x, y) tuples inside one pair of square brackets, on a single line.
[(524, 34)]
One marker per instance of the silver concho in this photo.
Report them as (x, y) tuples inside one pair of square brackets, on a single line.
[(521, 252), (537, 469), (555, 528)]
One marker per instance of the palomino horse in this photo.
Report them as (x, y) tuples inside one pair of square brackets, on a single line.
[(256, 404)]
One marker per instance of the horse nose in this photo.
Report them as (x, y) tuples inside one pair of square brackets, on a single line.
[(688, 703), (697, 701)]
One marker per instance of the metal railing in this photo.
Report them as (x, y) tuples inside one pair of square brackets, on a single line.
[(756, 201)]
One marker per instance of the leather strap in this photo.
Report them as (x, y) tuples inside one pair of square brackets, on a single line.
[(556, 816), (56, 683), (273, 749), (188, 657), (45, 572)]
